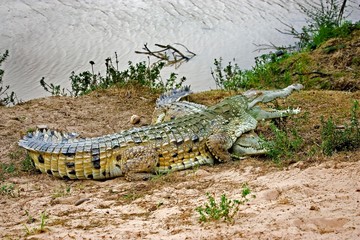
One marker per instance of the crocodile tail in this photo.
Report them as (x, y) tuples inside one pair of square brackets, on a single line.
[(40, 137), (172, 96)]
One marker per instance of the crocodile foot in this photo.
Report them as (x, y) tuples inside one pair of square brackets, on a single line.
[(219, 144)]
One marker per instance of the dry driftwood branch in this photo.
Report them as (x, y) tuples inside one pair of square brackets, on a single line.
[(168, 53)]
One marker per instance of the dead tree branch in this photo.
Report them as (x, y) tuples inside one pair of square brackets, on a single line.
[(168, 53)]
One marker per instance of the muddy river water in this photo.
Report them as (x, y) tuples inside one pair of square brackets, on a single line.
[(51, 38)]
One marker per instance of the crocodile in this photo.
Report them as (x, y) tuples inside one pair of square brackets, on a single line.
[(198, 137), (169, 107)]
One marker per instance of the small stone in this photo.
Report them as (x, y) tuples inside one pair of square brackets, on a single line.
[(77, 203), (42, 127), (134, 119), (316, 208)]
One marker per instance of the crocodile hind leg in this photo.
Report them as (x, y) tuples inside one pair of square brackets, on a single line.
[(139, 162)]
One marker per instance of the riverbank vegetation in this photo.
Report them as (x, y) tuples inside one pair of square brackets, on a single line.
[(142, 73), (325, 47)]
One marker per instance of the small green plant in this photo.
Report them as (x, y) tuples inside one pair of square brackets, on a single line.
[(6, 169), (5, 98), (225, 210), (30, 130), (131, 195), (61, 191), (15, 155), (283, 145), (31, 219), (27, 165), (8, 189), (43, 219), (42, 228), (336, 139), (55, 90)]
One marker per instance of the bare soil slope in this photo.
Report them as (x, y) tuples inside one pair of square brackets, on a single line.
[(315, 198)]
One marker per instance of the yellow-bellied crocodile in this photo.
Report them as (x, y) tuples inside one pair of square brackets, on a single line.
[(193, 139)]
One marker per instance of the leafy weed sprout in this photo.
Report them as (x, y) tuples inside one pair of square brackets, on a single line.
[(61, 191), (27, 165), (6, 169), (225, 210), (42, 228), (8, 190)]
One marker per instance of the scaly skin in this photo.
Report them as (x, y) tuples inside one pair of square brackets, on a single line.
[(188, 141)]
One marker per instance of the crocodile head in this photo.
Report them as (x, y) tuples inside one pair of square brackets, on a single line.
[(255, 96)]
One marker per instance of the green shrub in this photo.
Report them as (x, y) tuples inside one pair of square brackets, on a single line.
[(228, 78), (336, 139), (283, 144), (138, 73), (265, 73), (224, 210)]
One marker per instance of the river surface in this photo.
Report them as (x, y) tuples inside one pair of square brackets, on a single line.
[(51, 38)]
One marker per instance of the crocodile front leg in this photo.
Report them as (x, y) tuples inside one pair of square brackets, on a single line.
[(221, 142), (247, 145), (261, 114), (139, 162), (219, 145)]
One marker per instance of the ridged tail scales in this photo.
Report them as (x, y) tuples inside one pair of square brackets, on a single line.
[(170, 146), (74, 159)]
